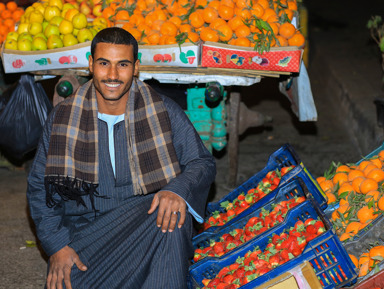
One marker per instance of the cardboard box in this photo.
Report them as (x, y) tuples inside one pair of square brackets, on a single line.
[(185, 55), (229, 56), (300, 277), (76, 56)]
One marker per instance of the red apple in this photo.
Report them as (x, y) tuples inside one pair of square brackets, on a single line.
[(84, 8), (97, 10)]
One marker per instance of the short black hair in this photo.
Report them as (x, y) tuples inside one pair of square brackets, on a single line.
[(115, 35)]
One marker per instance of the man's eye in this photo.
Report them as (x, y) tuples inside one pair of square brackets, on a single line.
[(123, 64), (103, 63)]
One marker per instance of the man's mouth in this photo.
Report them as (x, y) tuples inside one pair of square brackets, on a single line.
[(112, 85)]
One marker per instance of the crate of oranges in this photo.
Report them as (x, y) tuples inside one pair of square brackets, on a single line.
[(10, 14), (256, 34), (355, 194)]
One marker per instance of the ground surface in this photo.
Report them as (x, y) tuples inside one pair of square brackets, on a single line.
[(317, 143)]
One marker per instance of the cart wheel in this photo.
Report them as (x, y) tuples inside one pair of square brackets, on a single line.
[(233, 137)]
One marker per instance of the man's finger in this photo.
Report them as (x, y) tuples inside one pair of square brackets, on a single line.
[(154, 204), (173, 222), (80, 265), (67, 277), (165, 221), (182, 218)]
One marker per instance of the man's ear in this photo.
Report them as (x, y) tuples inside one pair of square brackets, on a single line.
[(137, 66), (90, 63)]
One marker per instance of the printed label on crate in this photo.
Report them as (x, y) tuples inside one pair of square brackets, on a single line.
[(75, 56), (185, 55), (227, 56)]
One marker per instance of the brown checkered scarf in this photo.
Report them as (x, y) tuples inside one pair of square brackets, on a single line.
[(73, 158)]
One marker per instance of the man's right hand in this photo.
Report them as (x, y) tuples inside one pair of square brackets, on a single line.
[(60, 268)]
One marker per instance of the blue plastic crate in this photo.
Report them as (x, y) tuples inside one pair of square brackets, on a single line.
[(325, 253), (298, 172), (295, 188)]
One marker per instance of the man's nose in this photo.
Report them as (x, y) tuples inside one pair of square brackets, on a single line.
[(113, 72)]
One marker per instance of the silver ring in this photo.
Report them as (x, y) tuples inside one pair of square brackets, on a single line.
[(175, 212)]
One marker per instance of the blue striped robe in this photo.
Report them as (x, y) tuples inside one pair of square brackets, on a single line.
[(121, 244)]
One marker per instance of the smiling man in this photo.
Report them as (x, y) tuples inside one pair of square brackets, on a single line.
[(118, 177)]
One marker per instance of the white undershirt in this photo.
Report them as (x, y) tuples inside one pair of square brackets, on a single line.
[(111, 120)]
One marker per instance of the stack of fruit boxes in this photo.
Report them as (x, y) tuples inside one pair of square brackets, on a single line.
[(325, 252)]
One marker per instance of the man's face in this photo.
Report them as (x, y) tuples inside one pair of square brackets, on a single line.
[(113, 68)]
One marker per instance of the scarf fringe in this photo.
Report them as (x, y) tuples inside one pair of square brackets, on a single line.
[(70, 189)]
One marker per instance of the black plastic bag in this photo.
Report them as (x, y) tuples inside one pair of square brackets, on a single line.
[(23, 117)]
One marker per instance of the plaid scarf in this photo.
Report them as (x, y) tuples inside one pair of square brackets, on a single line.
[(73, 159)]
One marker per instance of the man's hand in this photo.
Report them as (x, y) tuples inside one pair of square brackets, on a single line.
[(170, 204), (60, 268)]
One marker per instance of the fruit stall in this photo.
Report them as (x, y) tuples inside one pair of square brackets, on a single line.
[(281, 227), (208, 46)]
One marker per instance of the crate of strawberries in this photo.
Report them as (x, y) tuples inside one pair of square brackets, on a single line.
[(227, 238), (307, 235), (282, 166)]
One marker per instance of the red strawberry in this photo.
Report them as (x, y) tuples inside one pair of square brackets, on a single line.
[(228, 278), (223, 272), (240, 272), (296, 251), (309, 221), (311, 229), (218, 248), (274, 260)]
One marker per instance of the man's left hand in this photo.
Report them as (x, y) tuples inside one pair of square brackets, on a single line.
[(170, 205)]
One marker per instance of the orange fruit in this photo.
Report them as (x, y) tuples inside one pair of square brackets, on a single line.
[(156, 25), (377, 162), (297, 39), (242, 31), (225, 32), (340, 178), (287, 30), (372, 195), (11, 6), (185, 28), (136, 19), (226, 12), (10, 23), (210, 14), (345, 187), (2, 7), (154, 37), (235, 22), (122, 15), (353, 228), (376, 174), (368, 185), (214, 4), (364, 269), (257, 10), (343, 169), (208, 34), (202, 3), (343, 202), (242, 41), (6, 14), (108, 12), (16, 15), (217, 22), (193, 37), (363, 164), (331, 198), (244, 13), (136, 33), (267, 13), (196, 19), (344, 236), (292, 5), (380, 203), (356, 184), (168, 28), (243, 3), (320, 179), (263, 3), (355, 173), (326, 186), (365, 214), (369, 168), (354, 260), (374, 252), (229, 3), (176, 20)]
